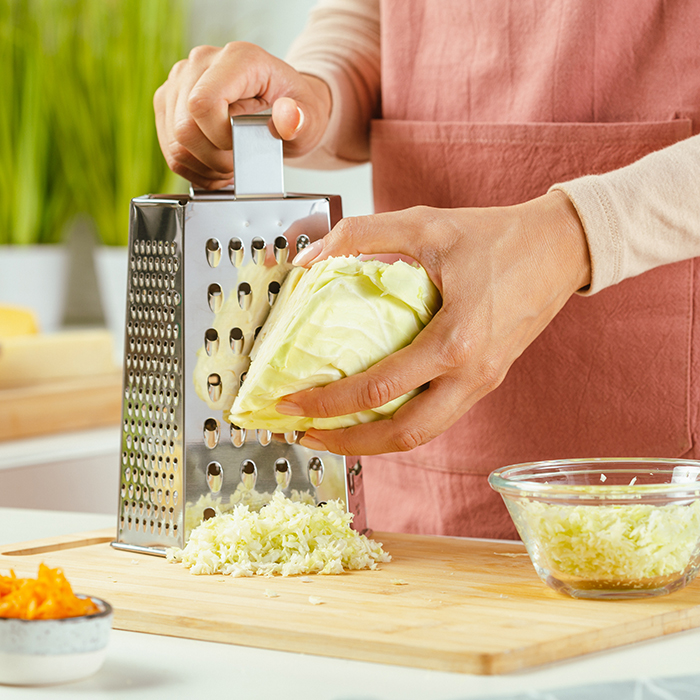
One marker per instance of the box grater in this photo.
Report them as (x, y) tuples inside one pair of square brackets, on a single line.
[(204, 271)]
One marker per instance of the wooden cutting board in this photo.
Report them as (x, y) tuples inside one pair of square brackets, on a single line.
[(469, 606)]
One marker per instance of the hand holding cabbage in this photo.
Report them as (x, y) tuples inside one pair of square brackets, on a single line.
[(503, 272)]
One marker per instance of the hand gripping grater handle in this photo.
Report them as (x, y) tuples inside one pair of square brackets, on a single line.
[(205, 270)]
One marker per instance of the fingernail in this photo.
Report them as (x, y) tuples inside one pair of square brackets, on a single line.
[(312, 443), (297, 129), (288, 408), (308, 254)]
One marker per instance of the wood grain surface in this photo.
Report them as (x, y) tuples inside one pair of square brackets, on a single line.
[(61, 406), (469, 606)]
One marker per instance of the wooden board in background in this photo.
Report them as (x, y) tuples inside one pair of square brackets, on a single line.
[(467, 606), (58, 406)]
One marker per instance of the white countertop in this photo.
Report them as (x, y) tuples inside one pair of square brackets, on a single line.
[(59, 447), (150, 666)]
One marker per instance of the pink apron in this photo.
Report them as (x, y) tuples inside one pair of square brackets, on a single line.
[(490, 105)]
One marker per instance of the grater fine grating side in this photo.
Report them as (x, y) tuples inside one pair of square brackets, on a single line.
[(204, 271)]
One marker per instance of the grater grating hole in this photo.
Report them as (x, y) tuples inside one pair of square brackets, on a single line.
[(208, 513), (211, 433), (213, 252), (302, 241), (316, 471), (215, 477), (257, 250), (264, 437), (273, 289), (236, 251), (215, 297), (214, 387), (249, 474), (283, 473), (245, 295), (237, 436), (236, 340), (281, 248)]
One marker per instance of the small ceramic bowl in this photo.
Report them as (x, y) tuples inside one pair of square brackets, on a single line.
[(607, 528), (44, 652)]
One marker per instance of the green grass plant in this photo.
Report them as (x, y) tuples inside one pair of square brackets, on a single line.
[(77, 131), (35, 201), (111, 56)]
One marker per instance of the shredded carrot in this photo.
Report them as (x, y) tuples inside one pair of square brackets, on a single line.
[(47, 597)]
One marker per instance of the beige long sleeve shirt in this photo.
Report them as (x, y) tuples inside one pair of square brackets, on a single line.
[(636, 218)]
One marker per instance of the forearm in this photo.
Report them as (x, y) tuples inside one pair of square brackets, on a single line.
[(641, 216), (340, 45)]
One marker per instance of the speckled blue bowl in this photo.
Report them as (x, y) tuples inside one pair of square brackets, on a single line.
[(44, 652)]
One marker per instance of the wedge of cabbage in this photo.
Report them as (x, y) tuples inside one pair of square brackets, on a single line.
[(333, 320)]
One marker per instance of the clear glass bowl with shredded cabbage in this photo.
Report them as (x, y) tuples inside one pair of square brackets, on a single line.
[(607, 528)]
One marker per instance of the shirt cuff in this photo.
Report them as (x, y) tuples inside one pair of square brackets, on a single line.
[(601, 228)]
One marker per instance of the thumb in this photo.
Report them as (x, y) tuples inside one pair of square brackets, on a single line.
[(287, 118)]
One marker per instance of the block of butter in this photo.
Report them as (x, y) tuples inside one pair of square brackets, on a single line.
[(15, 320), (28, 360)]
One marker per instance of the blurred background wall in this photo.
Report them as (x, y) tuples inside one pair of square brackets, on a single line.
[(272, 24)]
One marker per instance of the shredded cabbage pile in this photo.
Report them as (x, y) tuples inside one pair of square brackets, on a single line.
[(284, 537), (615, 542)]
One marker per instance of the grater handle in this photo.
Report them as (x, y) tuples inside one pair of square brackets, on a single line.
[(257, 157)]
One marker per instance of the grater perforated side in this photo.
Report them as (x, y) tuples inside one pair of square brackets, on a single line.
[(205, 270)]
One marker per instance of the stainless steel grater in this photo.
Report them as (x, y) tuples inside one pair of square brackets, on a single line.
[(204, 271)]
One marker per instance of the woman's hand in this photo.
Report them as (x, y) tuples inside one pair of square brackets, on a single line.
[(503, 273), (194, 105)]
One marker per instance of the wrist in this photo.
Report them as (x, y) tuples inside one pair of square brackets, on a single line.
[(571, 236), (322, 96)]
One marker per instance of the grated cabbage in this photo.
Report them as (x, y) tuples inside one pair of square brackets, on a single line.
[(615, 542), (255, 500), (284, 538), (335, 319)]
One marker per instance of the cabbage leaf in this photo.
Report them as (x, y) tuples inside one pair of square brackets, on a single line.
[(333, 320)]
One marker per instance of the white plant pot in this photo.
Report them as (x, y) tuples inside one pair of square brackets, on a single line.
[(35, 277), (112, 269)]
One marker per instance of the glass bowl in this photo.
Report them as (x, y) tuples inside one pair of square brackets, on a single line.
[(607, 528), (44, 652)]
